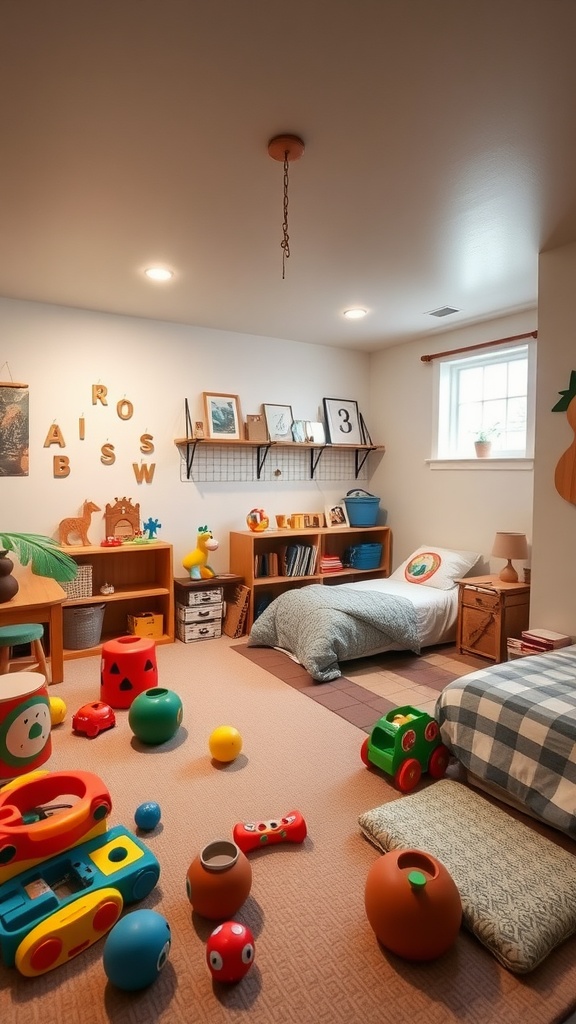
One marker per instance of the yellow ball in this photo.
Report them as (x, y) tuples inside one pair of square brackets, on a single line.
[(57, 710), (225, 743)]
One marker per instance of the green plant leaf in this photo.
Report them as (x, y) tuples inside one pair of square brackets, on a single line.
[(43, 552)]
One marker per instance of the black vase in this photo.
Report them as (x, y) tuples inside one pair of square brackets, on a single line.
[(8, 583)]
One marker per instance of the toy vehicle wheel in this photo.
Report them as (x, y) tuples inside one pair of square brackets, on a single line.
[(364, 751), (438, 762), (408, 775)]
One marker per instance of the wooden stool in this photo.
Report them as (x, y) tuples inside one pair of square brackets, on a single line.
[(25, 633)]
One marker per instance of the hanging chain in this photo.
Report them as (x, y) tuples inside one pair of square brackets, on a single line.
[(285, 243)]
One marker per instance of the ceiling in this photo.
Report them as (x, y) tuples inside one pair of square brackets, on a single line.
[(440, 158)]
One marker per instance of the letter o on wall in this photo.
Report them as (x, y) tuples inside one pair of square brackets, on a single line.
[(125, 409)]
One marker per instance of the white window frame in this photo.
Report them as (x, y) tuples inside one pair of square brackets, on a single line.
[(443, 400)]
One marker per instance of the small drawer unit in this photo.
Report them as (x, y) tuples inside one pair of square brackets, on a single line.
[(200, 620), (190, 632), (490, 611), (185, 595), (200, 613)]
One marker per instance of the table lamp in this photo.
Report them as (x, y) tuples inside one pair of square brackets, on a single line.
[(509, 546)]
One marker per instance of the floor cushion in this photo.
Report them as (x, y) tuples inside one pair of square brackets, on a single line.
[(518, 889)]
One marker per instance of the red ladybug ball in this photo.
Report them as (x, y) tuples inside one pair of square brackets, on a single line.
[(230, 951)]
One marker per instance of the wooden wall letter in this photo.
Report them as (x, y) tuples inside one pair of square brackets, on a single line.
[(54, 436), (99, 393), (146, 443), (81, 428), (108, 456), (144, 472), (61, 465), (125, 409)]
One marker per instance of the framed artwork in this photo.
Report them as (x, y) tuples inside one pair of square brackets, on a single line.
[(343, 421), (299, 430), (14, 429), (336, 515), (223, 417), (315, 432), (279, 422)]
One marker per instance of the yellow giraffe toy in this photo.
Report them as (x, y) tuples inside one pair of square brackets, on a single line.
[(196, 561)]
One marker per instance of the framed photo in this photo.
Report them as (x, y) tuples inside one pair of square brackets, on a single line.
[(343, 421), (315, 432), (336, 515), (279, 422), (223, 417), (299, 430)]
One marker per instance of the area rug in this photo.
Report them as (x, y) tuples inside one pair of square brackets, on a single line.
[(372, 686)]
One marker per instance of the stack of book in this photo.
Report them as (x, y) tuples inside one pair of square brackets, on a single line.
[(330, 563), (536, 641)]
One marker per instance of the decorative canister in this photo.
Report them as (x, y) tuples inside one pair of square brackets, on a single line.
[(128, 667), (219, 880), (413, 904), (9, 585), (25, 724)]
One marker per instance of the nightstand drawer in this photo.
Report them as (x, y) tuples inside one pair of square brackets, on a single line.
[(481, 599)]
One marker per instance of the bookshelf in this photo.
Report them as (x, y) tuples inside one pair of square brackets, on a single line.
[(247, 551)]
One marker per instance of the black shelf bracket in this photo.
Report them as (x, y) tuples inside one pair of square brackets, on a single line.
[(261, 456), (315, 456), (360, 456)]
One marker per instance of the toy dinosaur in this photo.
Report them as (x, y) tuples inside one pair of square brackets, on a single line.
[(196, 561)]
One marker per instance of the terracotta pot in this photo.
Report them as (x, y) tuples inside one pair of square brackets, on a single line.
[(412, 904), (219, 880), (483, 449), (9, 585)]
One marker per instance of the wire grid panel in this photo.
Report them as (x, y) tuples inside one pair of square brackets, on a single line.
[(212, 465)]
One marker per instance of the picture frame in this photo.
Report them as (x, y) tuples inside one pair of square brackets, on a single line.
[(343, 421), (299, 431), (314, 520), (279, 422), (315, 432), (223, 417), (336, 516)]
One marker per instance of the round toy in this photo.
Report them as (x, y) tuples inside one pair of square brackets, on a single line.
[(57, 710), (136, 949), (230, 951), (219, 880), (412, 904), (155, 715), (147, 815), (225, 743), (258, 520)]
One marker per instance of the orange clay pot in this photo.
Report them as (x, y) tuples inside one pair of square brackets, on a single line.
[(219, 880), (412, 904)]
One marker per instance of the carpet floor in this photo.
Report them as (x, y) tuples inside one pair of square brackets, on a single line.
[(317, 960)]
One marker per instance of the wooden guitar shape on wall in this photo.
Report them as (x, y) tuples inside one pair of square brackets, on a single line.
[(565, 473)]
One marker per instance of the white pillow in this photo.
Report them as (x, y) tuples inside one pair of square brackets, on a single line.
[(431, 566)]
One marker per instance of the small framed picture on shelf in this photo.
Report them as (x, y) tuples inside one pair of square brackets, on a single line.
[(315, 433), (223, 418), (343, 421), (299, 430), (279, 422), (336, 515)]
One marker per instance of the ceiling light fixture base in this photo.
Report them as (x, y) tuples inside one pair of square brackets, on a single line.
[(286, 147)]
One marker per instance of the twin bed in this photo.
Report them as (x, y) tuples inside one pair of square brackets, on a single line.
[(512, 725)]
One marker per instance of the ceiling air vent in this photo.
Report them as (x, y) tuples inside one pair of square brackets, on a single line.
[(443, 311)]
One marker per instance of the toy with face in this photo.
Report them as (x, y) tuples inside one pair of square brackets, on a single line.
[(230, 952)]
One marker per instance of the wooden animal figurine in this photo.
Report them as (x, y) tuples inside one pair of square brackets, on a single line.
[(196, 561), (78, 525)]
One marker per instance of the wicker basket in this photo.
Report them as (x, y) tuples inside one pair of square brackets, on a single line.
[(83, 626), (81, 585)]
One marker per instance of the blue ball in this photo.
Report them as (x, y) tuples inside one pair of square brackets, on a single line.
[(147, 815), (136, 949)]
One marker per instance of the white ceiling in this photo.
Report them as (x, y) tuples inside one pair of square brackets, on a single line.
[(440, 159)]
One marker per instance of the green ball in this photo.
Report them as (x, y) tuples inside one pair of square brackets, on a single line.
[(155, 715)]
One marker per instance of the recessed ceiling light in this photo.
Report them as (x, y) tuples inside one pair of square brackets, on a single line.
[(355, 314), (159, 273)]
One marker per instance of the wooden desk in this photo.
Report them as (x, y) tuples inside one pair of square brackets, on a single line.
[(39, 599)]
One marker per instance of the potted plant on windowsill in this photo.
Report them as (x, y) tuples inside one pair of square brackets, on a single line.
[(483, 442), (44, 554)]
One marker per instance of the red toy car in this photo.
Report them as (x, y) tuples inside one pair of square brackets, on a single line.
[(93, 718)]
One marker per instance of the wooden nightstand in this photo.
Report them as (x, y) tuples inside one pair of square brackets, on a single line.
[(489, 611)]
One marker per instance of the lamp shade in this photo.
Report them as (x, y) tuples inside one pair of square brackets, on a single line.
[(509, 546)]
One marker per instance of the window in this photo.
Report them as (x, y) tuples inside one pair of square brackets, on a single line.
[(490, 393)]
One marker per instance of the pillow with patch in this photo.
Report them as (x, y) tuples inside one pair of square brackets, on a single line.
[(431, 566)]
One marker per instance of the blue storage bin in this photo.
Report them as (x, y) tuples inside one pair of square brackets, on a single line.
[(363, 556), (362, 511)]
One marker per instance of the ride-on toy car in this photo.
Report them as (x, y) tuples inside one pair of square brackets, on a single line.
[(93, 718), (404, 743)]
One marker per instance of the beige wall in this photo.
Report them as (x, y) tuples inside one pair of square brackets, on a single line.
[(553, 598), (460, 507)]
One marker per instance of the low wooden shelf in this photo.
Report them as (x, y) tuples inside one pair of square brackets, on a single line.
[(245, 545), (142, 577)]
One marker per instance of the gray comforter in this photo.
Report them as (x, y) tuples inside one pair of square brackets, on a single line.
[(322, 625)]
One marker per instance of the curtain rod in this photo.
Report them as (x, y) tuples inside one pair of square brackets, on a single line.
[(484, 344)]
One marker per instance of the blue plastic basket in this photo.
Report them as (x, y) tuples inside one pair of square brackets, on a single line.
[(363, 556), (362, 511)]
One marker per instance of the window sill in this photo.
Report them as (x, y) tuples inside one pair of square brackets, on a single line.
[(482, 464)]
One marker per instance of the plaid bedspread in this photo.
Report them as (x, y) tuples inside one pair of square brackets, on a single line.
[(513, 725)]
